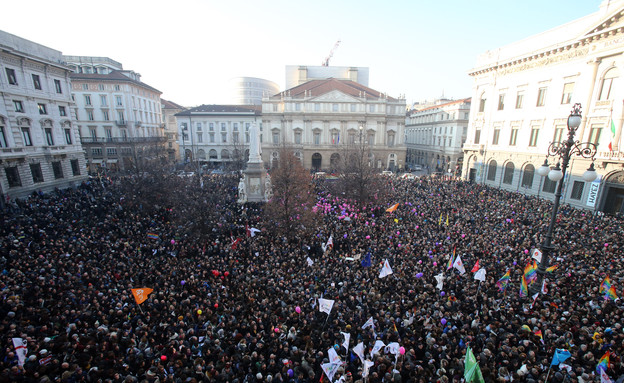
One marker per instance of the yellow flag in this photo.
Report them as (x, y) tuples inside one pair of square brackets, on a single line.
[(446, 219), (440, 220), (140, 295)]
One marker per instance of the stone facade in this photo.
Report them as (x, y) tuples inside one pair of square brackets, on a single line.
[(39, 140), (172, 131)]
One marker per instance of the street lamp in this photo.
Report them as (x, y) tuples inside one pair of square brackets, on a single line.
[(563, 150)]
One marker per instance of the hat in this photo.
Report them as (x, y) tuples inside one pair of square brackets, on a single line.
[(43, 352)]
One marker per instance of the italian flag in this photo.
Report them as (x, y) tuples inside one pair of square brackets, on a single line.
[(612, 135)]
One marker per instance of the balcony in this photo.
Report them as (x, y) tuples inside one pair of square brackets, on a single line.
[(122, 123), (101, 140)]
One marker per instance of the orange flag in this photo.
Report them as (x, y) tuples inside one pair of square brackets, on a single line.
[(392, 208), (140, 295)]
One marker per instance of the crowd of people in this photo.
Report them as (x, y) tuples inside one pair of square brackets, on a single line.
[(226, 306)]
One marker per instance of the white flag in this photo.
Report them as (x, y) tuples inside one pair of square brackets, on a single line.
[(20, 350), (480, 275), (359, 351), (330, 369), (440, 279), (385, 270), (310, 262), (329, 243), (347, 337), (378, 346), (534, 299), (253, 231), (392, 348), (459, 265), (604, 378), (537, 255), (333, 356), (325, 305), (369, 323), (544, 289), (367, 364)]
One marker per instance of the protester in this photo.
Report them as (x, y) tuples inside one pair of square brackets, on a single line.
[(229, 307)]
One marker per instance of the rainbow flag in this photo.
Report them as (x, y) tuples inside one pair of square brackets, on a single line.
[(152, 236), (552, 268), (524, 290), (449, 265), (603, 364), (610, 294), (502, 283), (605, 285), (530, 272), (539, 333)]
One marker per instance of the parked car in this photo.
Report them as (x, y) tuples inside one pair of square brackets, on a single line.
[(417, 167), (387, 173)]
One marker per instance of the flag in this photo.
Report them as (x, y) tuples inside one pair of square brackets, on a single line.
[(369, 323), (392, 208), (475, 268), (603, 363), (367, 364), (235, 243), (394, 327), (530, 272), (366, 262), (537, 255), (325, 305), (378, 346), (552, 268), (502, 283), (539, 334), (392, 348), (140, 295), (310, 261), (544, 289), (560, 356), (251, 232), (385, 270), (440, 220), (440, 279), (329, 243), (359, 351), (480, 275), (534, 299), (330, 369), (347, 337), (605, 285), (524, 290), (20, 350), (612, 133), (449, 265), (472, 371), (459, 265), (152, 235), (446, 219), (333, 356), (604, 378), (610, 294)]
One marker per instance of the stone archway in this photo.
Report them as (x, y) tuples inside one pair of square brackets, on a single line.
[(613, 194), (317, 161)]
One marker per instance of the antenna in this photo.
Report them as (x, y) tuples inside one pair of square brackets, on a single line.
[(331, 53)]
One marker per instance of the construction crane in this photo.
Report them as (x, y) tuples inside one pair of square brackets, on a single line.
[(331, 53)]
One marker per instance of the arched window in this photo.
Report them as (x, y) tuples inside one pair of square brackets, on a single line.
[(212, 154), (225, 154), (527, 176), (607, 88), (509, 173), (491, 175), (482, 102)]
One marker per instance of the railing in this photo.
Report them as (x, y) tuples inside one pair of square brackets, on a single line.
[(121, 123), (92, 140)]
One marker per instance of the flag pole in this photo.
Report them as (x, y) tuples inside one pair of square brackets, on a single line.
[(548, 374)]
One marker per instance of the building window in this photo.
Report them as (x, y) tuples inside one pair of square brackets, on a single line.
[(211, 126), (509, 173), (491, 175), (111, 151), (501, 101), (120, 117), (224, 138), (577, 190), (117, 87), (297, 107), (606, 88), (200, 137), (482, 103), (90, 115), (3, 141), (390, 139), (541, 96), (11, 77), (275, 138), (335, 137), (317, 138), (247, 125), (223, 128), (96, 152), (534, 135), (496, 136), (298, 138), (87, 99), (85, 86), (317, 107), (103, 100), (352, 107), (62, 111), (37, 175), (185, 136), (68, 138), (371, 108), (235, 126), (19, 107), (118, 101), (49, 137), (12, 176), (75, 165), (100, 86), (549, 186), (477, 136), (26, 136), (247, 137), (109, 134), (513, 138), (566, 97), (212, 137), (57, 169), (594, 135), (199, 126), (558, 133), (36, 81), (351, 138), (105, 115), (235, 137), (527, 177), (371, 139), (57, 86), (335, 108), (42, 109), (93, 133)]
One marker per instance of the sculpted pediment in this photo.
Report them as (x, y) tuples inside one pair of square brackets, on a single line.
[(337, 96)]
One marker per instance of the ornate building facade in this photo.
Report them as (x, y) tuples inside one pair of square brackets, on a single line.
[(523, 94), (172, 131), (434, 135), (319, 117), (39, 141)]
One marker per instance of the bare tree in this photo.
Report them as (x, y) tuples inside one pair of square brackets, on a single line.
[(291, 207)]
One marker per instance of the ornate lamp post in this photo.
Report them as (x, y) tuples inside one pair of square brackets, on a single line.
[(563, 151)]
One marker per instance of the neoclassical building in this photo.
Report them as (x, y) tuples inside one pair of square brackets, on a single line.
[(522, 96), (119, 116), (319, 117), (169, 110), (434, 135), (39, 141)]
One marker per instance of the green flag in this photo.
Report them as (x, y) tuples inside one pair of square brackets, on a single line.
[(472, 372)]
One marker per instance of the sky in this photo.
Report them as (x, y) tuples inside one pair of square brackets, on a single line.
[(189, 49)]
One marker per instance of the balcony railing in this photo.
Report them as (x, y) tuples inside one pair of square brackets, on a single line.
[(97, 140), (121, 122)]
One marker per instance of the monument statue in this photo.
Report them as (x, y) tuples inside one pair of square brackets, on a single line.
[(255, 149), (242, 190), (255, 185)]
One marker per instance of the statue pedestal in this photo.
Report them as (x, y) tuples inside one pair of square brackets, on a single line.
[(255, 182)]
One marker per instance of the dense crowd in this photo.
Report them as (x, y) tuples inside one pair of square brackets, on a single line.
[(229, 307)]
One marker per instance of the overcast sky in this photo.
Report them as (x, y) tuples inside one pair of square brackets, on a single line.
[(188, 49)]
